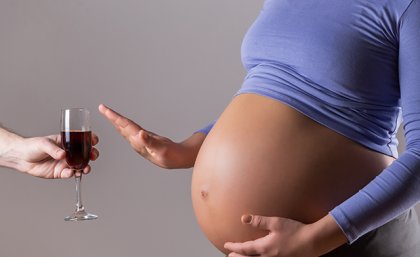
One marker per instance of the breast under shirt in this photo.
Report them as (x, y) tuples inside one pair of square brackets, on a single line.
[(353, 66)]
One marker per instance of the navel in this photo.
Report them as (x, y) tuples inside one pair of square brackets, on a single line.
[(204, 192)]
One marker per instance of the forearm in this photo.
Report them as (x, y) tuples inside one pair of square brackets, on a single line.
[(8, 155), (191, 146), (326, 235), (188, 150)]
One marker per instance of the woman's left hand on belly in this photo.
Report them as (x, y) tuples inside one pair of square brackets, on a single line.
[(286, 238), (289, 238)]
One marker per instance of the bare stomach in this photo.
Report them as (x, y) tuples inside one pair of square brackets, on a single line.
[(263, 157)]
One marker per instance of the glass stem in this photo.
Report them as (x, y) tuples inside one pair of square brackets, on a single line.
[(79, 204)]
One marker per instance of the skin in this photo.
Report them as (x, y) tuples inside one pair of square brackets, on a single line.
[(287, 237), (157, 149), (38, 156)]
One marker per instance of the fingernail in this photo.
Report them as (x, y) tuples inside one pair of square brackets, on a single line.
[(247, 219)]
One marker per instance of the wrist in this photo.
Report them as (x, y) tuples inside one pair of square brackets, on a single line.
[(9, 149), (188, 150), (326, 235)]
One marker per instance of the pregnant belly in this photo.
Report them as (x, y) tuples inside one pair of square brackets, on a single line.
[(263, 157)]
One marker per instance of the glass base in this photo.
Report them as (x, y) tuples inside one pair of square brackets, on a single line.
[(81, 215)]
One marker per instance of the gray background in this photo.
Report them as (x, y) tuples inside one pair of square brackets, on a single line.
[(172, 66)]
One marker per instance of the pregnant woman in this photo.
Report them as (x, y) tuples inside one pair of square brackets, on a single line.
[(303, 161)]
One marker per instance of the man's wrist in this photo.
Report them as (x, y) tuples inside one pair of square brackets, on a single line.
[(9, 155)]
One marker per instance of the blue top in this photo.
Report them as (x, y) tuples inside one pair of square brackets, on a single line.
[(353, 66)]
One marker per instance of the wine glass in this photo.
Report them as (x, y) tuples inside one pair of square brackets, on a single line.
[(76, 139)]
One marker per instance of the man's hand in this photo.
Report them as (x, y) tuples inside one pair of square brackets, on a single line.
[(43, 157)]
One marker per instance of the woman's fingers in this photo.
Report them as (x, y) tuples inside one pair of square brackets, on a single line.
[(139, 139), (154, 148), (125, 126), (246, 249)]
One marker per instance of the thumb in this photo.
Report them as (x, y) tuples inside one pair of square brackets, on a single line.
[(256, 221), (51, 148), (150, 142)]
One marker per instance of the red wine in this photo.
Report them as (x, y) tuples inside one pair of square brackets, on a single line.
[(77, 145)]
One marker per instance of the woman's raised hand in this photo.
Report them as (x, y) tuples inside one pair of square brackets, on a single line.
[(159, 150)]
